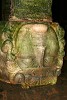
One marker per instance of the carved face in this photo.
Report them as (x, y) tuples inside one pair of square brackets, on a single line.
[(30, 51)]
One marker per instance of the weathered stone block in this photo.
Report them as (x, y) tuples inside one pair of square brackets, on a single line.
[(31, 45)]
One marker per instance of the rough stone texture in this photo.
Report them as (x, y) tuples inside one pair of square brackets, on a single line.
[(26, 9), (32, 53), (31, 8), (54, 92), (31, 45)]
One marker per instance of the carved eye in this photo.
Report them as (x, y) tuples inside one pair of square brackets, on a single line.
[(6, 46)]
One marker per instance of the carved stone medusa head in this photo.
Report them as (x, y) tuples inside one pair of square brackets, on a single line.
[(31, 45)]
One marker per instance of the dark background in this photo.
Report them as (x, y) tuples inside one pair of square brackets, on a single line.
[(59, 14)]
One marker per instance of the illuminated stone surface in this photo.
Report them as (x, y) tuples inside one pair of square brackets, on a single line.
[(31, 48)]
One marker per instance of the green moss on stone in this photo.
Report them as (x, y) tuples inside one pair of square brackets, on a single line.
[(32, 8)]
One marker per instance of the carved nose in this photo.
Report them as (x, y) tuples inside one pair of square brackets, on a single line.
[(19, 78)]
